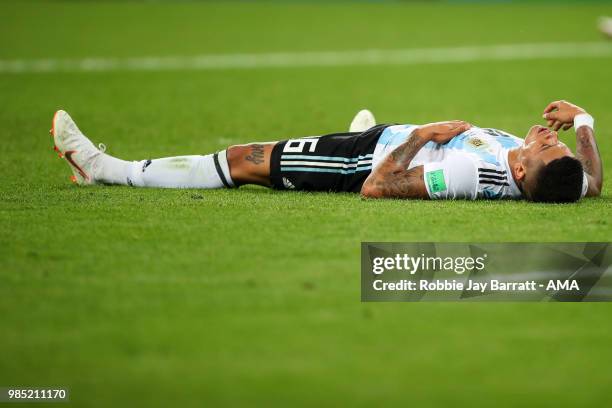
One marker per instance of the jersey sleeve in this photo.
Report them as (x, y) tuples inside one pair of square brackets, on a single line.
[(454, 178)]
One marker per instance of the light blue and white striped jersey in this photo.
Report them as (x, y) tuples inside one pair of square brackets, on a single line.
[(472, 165)]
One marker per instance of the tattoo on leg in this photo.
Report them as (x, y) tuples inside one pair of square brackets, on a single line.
[(257, 154)]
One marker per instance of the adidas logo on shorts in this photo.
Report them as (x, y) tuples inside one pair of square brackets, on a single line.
[(288, 184)]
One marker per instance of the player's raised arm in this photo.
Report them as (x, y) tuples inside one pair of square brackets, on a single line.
[(562, 114), (392, 178)]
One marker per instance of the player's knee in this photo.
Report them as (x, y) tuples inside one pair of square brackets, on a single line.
[(247, 163), (235, 157)]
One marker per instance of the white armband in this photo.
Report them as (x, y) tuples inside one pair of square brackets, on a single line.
[(583, 119), (585, 185)]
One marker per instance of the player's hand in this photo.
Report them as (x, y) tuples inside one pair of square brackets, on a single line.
[(561, 114), (442, 132)]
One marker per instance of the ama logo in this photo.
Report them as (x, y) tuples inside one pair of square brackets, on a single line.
[(562, 285)]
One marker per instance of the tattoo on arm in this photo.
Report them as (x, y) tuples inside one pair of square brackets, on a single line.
[(403, 155), (402, 183), (257, 154), (392, 178), (588, 154)]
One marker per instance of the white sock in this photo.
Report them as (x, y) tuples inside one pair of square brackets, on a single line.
[(210, 171), (110, 170)]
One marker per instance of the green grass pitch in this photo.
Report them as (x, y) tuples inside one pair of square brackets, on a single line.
[(147, 297)]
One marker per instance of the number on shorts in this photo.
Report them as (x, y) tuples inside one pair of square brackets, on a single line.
[(297, 145)]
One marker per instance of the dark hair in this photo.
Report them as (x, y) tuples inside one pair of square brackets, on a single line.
[(560, 181)]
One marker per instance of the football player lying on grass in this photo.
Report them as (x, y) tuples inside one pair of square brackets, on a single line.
[(444, 160)]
